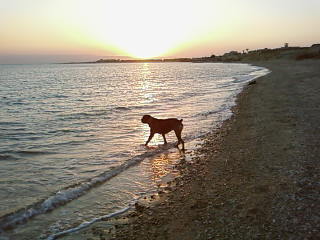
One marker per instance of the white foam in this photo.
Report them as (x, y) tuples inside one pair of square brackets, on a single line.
[(86, 224), (101, 218)]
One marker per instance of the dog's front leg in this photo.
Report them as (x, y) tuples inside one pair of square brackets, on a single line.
[(150, 137)]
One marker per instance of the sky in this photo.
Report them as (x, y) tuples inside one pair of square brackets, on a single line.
[(87, 29)]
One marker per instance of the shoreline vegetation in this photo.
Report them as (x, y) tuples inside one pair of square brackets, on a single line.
[(296, 53), (256, 177)]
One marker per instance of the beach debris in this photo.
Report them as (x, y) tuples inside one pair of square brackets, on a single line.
[(160, 192), (252, 82), (140, 208)]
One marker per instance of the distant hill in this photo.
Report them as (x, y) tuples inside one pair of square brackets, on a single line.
[(294, 53), (47, 58)]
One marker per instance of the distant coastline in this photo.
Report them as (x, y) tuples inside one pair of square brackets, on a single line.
[(293, 53)]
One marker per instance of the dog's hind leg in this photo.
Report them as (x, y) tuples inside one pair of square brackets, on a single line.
[(178, 134), (164, 138)]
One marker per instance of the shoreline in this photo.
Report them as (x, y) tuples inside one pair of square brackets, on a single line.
[(254, 178)]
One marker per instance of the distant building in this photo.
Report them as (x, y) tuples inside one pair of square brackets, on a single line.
[(232, 53), (286, 45), (315, 48)]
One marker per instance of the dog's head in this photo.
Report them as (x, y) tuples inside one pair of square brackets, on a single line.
[(146, 119)]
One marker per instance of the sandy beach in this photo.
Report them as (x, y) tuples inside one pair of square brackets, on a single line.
[(257, 177)]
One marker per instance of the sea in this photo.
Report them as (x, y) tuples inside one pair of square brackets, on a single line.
[(72, 141)]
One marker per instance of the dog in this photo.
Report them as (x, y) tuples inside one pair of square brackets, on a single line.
[(164, 126)]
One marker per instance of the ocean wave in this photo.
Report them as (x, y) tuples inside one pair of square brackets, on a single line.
[(88, 223), (129, 108), (121, 109), (71, 192), (101, 112), (66, 131), (33, 152), (208, 113), (81, 115), (12, 123), (60, 96), (71, 142), (6, 157)]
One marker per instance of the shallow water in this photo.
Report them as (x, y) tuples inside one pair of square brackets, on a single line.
[(72, 141)]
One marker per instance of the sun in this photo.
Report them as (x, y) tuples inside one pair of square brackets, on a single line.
[(145, 29), (143, 46), (146, 40), (142, 28)]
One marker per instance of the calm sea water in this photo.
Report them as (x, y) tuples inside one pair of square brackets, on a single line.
[(71, 139)]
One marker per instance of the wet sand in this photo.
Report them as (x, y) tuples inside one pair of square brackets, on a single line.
[(257, 177)]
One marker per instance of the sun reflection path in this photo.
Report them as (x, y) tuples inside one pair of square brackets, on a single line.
[(146, 86), (162, 167)]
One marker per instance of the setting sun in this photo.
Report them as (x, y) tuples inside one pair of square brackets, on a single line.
[(143, 29), (146, 29)]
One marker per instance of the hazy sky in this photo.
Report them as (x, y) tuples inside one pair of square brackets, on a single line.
[(148, 28)]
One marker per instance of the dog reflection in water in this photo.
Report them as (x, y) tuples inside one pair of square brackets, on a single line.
[(164, 126)]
